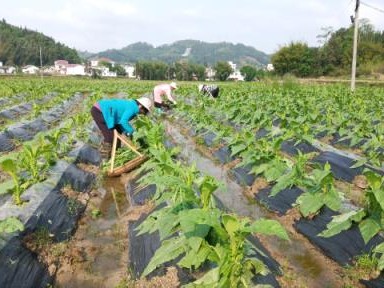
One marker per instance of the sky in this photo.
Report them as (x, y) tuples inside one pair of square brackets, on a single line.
[(267, 25)]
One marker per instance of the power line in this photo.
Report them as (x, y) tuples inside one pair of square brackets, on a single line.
[(372, 7)]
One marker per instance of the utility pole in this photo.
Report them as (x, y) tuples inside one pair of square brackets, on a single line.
[(355, 36), (41, 65)]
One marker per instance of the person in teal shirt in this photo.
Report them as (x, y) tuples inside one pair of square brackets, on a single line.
[(112, 114)]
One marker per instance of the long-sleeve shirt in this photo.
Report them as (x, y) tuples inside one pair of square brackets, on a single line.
[(160, 90), (119, 112)]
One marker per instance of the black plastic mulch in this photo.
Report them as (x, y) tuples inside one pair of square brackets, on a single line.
[(374, 283), (6, 144), (261, 133), (337, 140), (88, 155), (243, 175), (20, 133), (139, 195), (16, 111), (19, 267), (292, 148), (59, 215), (223, 154), (340, 165), (209, 138), (141, 250), (343, 247), (281, 202)]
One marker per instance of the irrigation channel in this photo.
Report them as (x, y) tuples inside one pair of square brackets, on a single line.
[(98, 256)]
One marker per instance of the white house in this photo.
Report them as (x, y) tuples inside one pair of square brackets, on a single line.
[(7, 69), (130, 70), (210, 73), (30, 69), (235, 75), (106, 73), (75, 69), (270, 67), (97, 62)]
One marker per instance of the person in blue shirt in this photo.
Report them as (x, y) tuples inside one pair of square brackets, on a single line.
[(112, 114)]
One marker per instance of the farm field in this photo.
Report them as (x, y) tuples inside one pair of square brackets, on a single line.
[(274, 183)]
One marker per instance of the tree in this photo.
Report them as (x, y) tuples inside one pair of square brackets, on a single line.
[(223, 70), (248, 72), (297, 59)]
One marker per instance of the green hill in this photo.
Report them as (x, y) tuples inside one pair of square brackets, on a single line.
[(192, 50), (21, 46)]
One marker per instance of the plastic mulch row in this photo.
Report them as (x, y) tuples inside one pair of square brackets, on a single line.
[(343, 247), (27, 131), (20, 267), (223, 154), (243, 175), (341, 166), (292, 147), (281, 202)]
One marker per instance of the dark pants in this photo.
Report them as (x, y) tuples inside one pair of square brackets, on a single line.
[(100, 122), (215, 92)]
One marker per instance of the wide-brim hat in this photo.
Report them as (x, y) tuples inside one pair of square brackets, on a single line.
[(146, 103), (173, 85)]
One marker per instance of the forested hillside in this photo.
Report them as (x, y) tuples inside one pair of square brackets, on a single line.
[(21, 46), (195, 51)]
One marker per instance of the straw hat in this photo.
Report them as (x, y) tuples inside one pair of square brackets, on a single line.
[(173, 85), (146, 102)]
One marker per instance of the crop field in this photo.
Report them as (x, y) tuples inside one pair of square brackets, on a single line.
[(273, 184)]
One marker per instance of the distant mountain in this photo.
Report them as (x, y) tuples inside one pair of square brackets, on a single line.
[(192, 50), (21, 46)]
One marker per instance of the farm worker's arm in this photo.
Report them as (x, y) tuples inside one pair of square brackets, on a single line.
[(124, 121), (168, 92)]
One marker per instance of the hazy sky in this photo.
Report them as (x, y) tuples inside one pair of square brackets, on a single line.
[(97, 25)]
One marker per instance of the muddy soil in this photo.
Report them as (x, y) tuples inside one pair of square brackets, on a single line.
[(97, 255)]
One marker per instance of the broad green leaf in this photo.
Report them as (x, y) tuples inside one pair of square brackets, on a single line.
[(231, 224), (236, 149), (10, 225), (332, 199), (359, 163), (374, 180), (193, 259), (368, 229), (268, 227), (379, 248), (310, 203), (283, 182), (9, 166), (342, 222), (169, 250), (209, 279)]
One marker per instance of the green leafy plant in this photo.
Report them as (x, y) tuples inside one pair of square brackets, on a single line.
[(11, 167), (320, 191)]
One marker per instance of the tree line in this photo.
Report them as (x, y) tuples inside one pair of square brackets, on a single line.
[(334, 56)]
